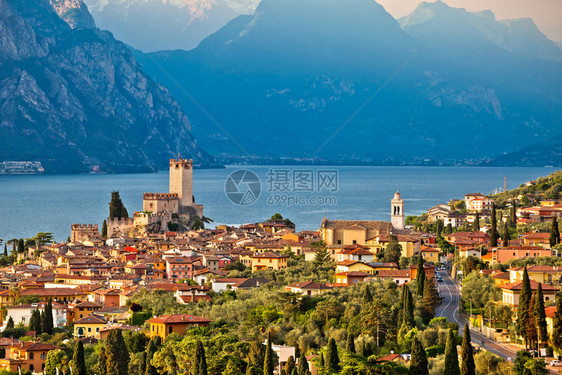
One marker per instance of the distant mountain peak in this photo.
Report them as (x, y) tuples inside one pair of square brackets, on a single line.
[(457, 31), (74, 13)]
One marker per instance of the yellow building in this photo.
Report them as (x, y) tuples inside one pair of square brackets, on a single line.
[(89, 326), (352, 232), (537, 239), (269, 261), (411, 246), (82, 309), (541, 274), (8, 297), (179, 323), (354, 266), (430, 254), (512, 291)]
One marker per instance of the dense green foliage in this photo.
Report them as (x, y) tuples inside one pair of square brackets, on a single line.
[(451, 355), (116, 207), (467, 356)]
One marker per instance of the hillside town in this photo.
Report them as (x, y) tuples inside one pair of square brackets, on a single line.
[(139, 279)]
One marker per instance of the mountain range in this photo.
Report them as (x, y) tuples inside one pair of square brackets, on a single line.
[(152, 25), (339, 79), (73, 97)]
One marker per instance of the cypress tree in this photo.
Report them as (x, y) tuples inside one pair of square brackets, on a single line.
[(408, 313), (78, 359), (451, 355), (513, 215), (49, 317), (332, 358), (268, 361), (531, 327), (506, 236), (21, 246), (303, 365), (43, 320), (35, 322), (116, 207), (350, 345), (150, 350), (476, 224), (367, 296), (540, 315), (10, 324), (523, 308), (420, 276), (102, 362), (494, 230), (104, 229), (290, 365), (554, 238), (418, 362), (117, 353), (467, 357), (5, 250), (255, 355), (556, 326), (430, 299), (142, 364), (199, 366)]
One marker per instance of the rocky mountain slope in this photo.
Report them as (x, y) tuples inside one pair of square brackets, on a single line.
[(152, 25), (76, 100), (341, 79)]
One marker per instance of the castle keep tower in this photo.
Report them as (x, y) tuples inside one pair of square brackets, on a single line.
[(181, 180), (397, 213)]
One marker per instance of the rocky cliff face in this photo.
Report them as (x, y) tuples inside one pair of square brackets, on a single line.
[(74, 12), (76, 100)]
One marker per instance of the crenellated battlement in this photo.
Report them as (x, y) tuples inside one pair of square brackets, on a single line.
[(184, 163), (84, 227), (160, 196), (119, 220)]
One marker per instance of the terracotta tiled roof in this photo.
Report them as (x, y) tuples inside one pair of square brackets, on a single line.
[(382, 226), (309, 285), (90, 319), (178, 318), (517, 286)]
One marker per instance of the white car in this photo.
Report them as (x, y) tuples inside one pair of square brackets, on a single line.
[(556, 362)]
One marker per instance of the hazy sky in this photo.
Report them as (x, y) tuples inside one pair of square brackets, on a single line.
[(547, 14)]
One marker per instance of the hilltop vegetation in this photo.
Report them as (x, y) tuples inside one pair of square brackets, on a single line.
[(549, 187)]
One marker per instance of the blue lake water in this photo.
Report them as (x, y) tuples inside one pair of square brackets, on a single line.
[(32, 204)]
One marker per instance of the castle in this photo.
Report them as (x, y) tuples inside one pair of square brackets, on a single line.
[(163, 211), (82, 232)]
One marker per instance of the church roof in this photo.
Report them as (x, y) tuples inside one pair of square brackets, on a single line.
[(358, 224)]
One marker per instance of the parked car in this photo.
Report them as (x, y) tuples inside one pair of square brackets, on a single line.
[(556, 362), (439, 279)]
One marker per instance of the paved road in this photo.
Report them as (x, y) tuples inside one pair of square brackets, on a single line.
[(449, 309)]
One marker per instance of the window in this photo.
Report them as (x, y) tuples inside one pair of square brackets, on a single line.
[(43, 356), (170, 329), (31, 355), (89, 329), (31, 368)]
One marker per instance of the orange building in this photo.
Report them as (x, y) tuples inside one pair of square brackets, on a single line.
[(28, 356), (505, 254), (179, 323)]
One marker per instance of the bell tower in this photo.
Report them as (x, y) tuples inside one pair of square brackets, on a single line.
[(181, 180), (397, 211)]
